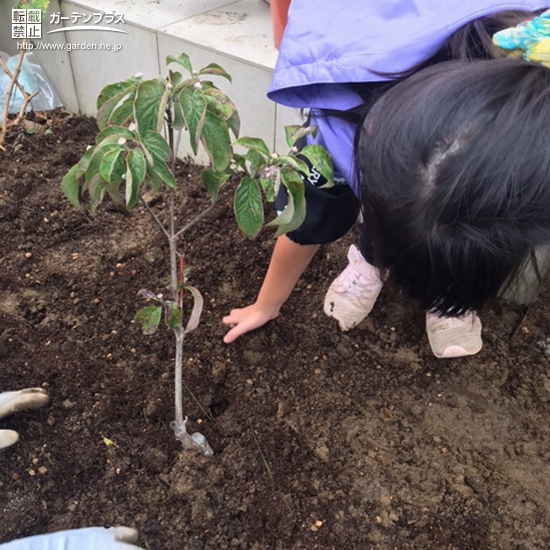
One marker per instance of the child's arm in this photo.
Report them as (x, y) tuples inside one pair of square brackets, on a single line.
[(288, 262)]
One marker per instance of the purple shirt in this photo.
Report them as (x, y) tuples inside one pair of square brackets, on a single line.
[(332, 42)]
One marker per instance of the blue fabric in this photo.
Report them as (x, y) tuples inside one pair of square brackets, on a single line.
[(336, 136), (329, 43)]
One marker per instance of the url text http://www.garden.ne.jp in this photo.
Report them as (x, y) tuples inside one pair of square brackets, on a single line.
[(69, 46)]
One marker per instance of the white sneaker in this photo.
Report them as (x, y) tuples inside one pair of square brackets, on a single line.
[(351, 296), (454, 336)]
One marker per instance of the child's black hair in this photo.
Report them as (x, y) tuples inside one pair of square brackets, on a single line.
[(455, 168)]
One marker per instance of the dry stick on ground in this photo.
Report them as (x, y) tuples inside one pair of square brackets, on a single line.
[(27, 98)]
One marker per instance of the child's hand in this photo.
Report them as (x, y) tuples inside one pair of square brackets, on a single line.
[(246, 319)]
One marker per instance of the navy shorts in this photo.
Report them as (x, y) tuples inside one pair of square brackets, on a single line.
[(330, 213)]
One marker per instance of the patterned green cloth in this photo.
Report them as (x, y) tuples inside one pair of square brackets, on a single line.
[(530, 40)]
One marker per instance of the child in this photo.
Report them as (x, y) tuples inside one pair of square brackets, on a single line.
[(466, 195), (338, 61)]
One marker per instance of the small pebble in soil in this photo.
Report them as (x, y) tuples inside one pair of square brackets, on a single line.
[(544, 346), (150, 527)]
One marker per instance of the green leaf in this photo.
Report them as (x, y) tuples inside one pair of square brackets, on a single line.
[(174, 77), (156, 181), (294, 164), (111, 166), (216, 141), (294, 213), (194, 112), (213, 181), (164, 173), (295, 132), (117, 131), (159, 151), (248, 207), (173, 316), (219, 103), (178, 121), (268, 187), (215, 69), (97, 156), (187, 83), (234, 124), (183, 60), (254, 143), (124, 113), (136, 170), (257, 163), (320, 160), (150, 105), (84, 162), (96, 189), (131, 190), (112, 90), (69, 186), (137, 164), (239, 161), (113, 189), (106, 110), (156, 145), (149, 317), (205, 84)]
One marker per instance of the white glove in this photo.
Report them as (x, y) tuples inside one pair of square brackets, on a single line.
[(14, 401), (90, 538)]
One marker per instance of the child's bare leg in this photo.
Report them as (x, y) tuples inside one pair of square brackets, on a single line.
[(288, 261)]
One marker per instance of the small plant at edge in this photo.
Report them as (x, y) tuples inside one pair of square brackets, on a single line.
[(13, 77)]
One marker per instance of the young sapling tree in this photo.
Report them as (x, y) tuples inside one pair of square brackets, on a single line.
[(141, 123)]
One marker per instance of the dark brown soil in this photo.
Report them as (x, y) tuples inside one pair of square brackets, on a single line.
[(323, 440)]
